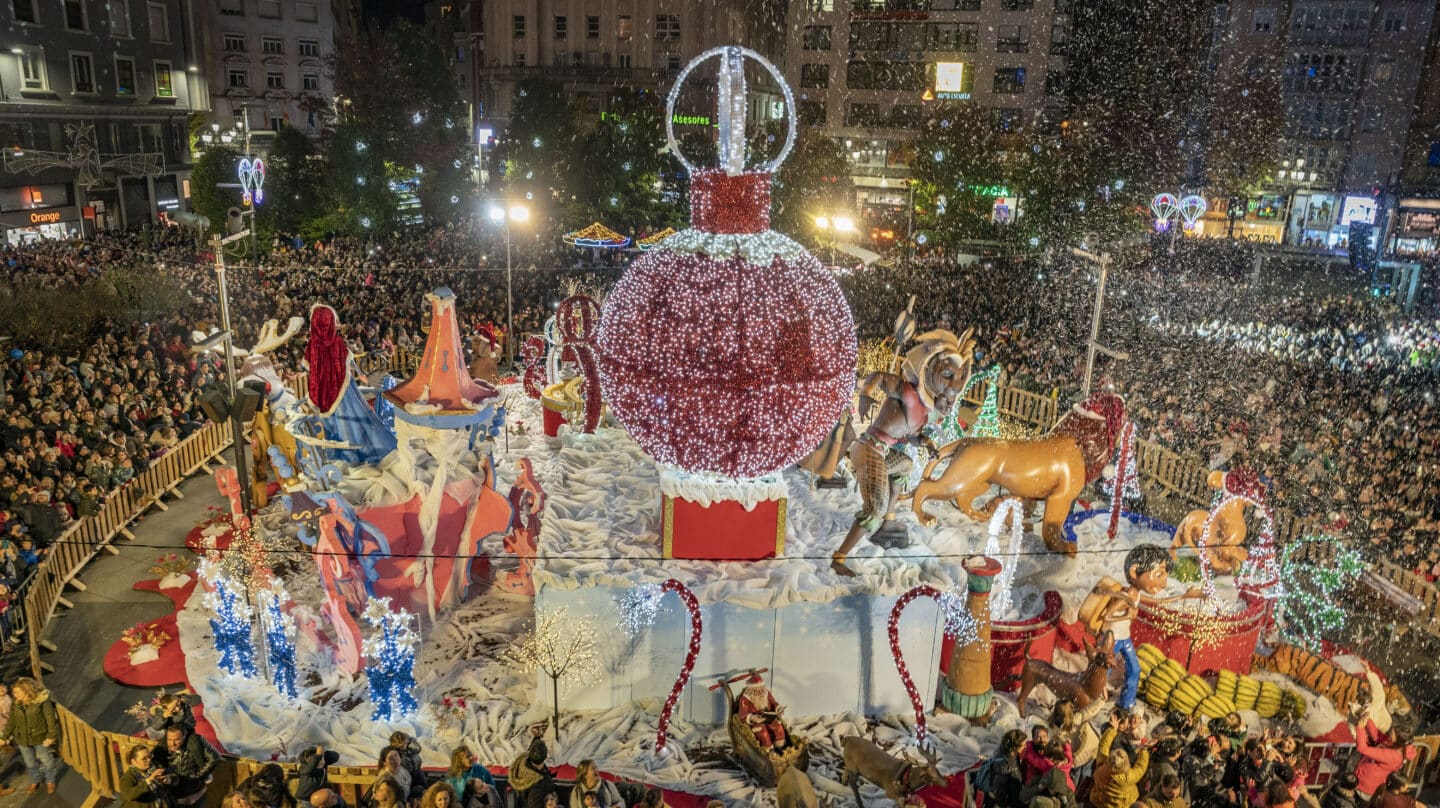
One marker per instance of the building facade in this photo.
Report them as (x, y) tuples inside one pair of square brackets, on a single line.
[(1351, 72), (267, 63), (864, 71), (95, 98)]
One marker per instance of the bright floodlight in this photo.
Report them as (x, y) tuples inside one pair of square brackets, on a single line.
[(497, 213), (822, 222), (519, 213), (844, 224)]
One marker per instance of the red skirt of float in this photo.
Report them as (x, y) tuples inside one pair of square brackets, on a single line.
[(553, 420), (723, 530), (1009, 641), (1231, 647)]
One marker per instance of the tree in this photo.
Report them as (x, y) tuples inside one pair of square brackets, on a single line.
[(400, 100), (561, 648), (813, 180), (540, 144), (295, 181), (620, 172), (217, 165), (955, 170), (699, 148)]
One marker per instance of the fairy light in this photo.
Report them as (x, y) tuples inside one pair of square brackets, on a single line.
[(578, 318), (390, 660), (987, 421), (958, 624), (1010, 509), (1309, 615), (638, 607), (1163, 206), (532, 356), (1192, 208), (232, 624), (279, 637), (561, 647)]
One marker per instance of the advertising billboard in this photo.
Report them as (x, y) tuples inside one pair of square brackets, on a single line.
[(952, 82)]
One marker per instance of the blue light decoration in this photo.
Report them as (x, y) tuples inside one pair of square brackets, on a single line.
[(252, 180), (390, 661), (232, 624), (279, 638), (384, 410)]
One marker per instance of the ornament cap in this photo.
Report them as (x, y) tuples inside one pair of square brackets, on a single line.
[(729, 205), (730, 101)]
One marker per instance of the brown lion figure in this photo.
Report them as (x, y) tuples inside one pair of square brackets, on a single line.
[(1054, 467), (1225, 547)]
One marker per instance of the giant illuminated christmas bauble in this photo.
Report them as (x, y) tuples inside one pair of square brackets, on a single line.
[(729, 349)]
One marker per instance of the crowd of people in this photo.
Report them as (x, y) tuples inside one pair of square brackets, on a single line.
[(1180, 762)]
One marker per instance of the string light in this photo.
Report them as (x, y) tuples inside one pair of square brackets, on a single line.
[(390, 661), (987, 421), (637, 612), (279, 637), (1311, 614), (532, 356), (958, 624), (1013, 510), (232, 626), (1163, 206), (578, 318), (561, 647)]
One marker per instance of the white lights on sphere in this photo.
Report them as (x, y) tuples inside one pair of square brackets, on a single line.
[(728, 350)]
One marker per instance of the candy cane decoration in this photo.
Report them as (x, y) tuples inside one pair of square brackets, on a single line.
[(533, 356), (1125, 484), (637, 611), (578, 319), (1013, 509), (958, 624)]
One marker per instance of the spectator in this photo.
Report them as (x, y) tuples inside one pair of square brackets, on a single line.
[(589, 781), (170, 710), (385, 793), (188, 760), (1380, 755), (1341, 793), (529, 777), (1073, 727), (393, 770), (1117, 777), (266, 788), (1000, 779), (439, 795), (1052, 787), (1167, 794), (142, 785), (1396, 793), (313, 773), (326, 798), (1276, 795), (34, 727), (471, 781)]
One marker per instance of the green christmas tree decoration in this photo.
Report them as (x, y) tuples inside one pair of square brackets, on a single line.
[(1308, 609)]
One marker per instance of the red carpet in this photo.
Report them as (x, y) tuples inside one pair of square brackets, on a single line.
[(169, 669)]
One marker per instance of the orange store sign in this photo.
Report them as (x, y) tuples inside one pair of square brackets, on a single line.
[(45, 218)]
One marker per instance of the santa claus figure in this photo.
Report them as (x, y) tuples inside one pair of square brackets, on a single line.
[(761, 713)]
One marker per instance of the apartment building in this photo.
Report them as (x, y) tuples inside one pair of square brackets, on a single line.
[(267, 62), (864, 72), (94, 98)]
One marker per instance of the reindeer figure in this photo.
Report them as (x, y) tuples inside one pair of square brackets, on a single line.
[(1081, 688), (899, 777)]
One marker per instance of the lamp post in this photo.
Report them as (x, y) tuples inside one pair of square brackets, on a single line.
[(1093, 346), (834, 225), (237, 429), (504, 215)]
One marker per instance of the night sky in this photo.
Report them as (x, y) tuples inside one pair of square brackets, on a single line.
[(383, 12)]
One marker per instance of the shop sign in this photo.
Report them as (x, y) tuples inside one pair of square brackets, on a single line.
[(1422, 221), (49, 217)]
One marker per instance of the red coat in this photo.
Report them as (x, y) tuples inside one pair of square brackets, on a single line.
[(1377, 762)]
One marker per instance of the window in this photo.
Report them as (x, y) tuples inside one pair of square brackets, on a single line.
[(885, 75), (82, 73), (622, 59), (238, 79), (147, 136), (820, 6), (560, 26), (1384, 69), (75, 15), (159, 18), (119, 11), (1059, 38), (272, 45), (310, 82), (863, 115), (124, 75), (1433, 158), (1016, 5), (672, 62), (811, 113), (905, 116), (1394, 21), (518, 24), (32, 69), (24, 10), (232, 8), (164, 84), (623, 31), (274, 80), (269, 9), (1263, 21), (1012, 39), (310, 47), (307, 12), (955, 37), (869, 36), (235, 43), (519, 58), (815, 37), (955, 5), (592, 27), (276, 122), (1009, 80), (1006, 118), (667, 27), (814, 75), (1374, 118)]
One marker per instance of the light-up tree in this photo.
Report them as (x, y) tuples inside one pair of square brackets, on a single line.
[(561, 647)]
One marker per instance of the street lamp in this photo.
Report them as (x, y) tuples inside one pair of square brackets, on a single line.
[(501, 215), (835, 225)]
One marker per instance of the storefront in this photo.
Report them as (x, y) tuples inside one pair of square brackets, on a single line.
[(1260, 219), (1312, 218), (22, 227), (1417, 228)]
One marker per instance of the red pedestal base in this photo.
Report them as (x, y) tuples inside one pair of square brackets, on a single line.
[(1173, 632), (1008, 643), (553, 420), (724, 530)]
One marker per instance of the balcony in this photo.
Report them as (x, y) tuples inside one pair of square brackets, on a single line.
[(585, 74)]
